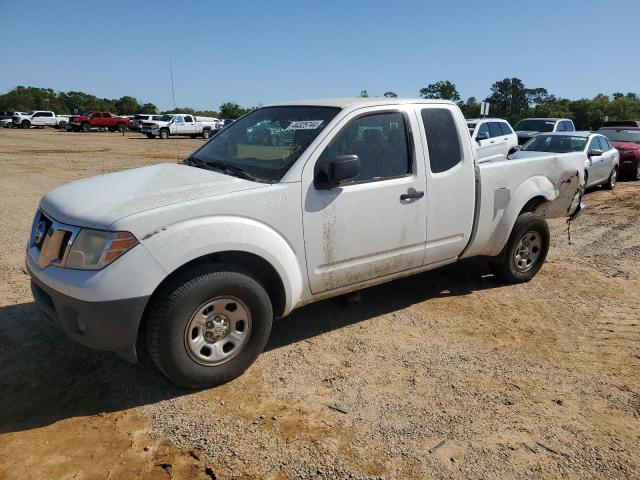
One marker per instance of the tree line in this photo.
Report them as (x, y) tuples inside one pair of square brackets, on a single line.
[(512, 100), (26, 99), (509, 99)]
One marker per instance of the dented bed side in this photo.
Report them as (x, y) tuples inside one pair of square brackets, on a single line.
[(507, 186)]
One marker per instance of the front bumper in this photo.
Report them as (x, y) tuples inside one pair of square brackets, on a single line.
[(101, 309), (111, 325)]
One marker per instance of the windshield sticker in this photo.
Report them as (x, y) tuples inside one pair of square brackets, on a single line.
[(304, 125)]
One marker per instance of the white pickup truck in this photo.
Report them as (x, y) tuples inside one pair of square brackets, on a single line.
[(180, 124), (40, 118), (198, 258)]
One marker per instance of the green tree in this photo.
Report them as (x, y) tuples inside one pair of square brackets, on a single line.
[(443, 89), (127, 105), (390, 94), (148, 108), (232, 110), (364, 94), (509, 99)]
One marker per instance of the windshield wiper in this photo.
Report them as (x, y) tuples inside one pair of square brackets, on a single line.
[(223, 167)]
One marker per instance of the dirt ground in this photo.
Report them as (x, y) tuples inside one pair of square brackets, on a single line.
[(531, 381)]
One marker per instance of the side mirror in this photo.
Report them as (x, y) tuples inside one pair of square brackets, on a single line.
[(513, 150), (482, 136), (595, 153), (330, 173)]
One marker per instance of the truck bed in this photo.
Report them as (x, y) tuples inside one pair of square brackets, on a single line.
[(504, 187)]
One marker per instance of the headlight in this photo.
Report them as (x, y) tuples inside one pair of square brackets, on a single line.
[(95, 249)]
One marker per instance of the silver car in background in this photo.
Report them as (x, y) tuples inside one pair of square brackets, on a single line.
[(603, 160)]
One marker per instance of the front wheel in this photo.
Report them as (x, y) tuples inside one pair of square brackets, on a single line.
[(208, 326), (637, 174), (525, 251), (85, 127), (613, 179), (164, 134), (121, 127), (25, 124)]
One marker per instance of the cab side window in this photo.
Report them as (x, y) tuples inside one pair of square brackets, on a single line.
[(380, 140), (442, 139), (187, 118)]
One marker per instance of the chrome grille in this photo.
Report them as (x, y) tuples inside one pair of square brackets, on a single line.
[(50, 241)]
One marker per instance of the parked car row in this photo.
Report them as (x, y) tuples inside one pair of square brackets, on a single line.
[(612, 151)]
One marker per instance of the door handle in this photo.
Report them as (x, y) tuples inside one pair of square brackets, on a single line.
[(412, 195)]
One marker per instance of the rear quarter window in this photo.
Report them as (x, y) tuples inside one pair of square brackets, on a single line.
[(506, 129), (442, 139)]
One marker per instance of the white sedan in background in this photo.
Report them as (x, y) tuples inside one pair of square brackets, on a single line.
[(603, 160), (493, 138)]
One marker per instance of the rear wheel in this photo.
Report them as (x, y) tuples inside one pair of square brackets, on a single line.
[(62, 125), (613, 179), (206, 133), (525, 251), (164, 134), (208, 326)]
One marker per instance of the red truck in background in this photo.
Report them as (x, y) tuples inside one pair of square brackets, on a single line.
[(111, 122)]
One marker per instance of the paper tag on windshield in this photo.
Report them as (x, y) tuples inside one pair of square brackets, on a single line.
[(305, 125)]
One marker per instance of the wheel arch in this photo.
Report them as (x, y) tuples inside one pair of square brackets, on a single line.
[(244, 262)]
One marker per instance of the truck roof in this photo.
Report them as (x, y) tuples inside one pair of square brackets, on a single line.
[(358, 101)]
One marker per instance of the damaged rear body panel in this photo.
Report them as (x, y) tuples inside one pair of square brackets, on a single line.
[(549, 185)]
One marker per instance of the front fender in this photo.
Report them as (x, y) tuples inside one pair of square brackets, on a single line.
[(175, 245)]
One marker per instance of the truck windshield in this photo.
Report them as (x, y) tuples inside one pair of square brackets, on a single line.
[(555, 144), (265, 143), (535, 126)]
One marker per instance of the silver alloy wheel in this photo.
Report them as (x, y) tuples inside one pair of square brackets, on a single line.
[(638, 171), (527, 251), (217, 331), (614, 177)]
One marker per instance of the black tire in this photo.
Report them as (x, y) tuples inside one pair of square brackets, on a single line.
[(121, 127), (171, 313), (512, 266), (612, 180), (25, 124), (62, 125), (164, 133), (85, 127), (636, 176), (150, 135), (206, 133)]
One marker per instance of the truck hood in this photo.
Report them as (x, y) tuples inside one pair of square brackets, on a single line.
[(98, 202)]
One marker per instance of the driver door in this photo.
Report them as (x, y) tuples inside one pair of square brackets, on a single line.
[(374, 224)]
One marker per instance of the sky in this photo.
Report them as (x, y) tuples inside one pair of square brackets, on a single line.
[(261, 52)]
